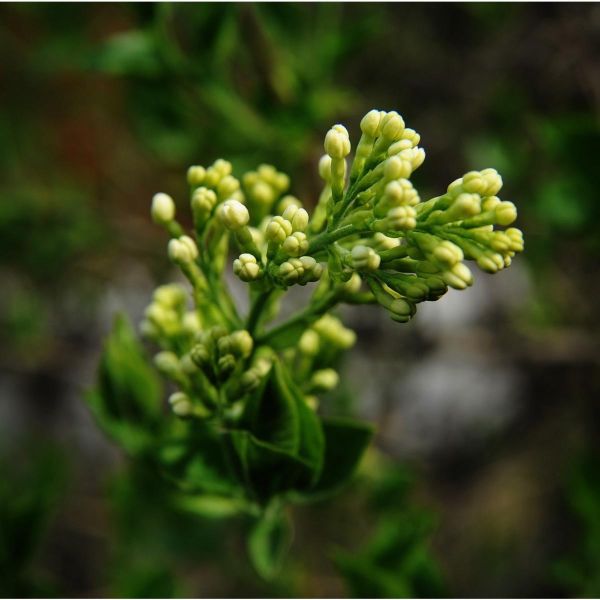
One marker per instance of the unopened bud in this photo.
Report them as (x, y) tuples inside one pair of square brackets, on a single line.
[(181, 404), (337, 142), (195, 175), (364, 258), (163, 208), (246, 267), (325, 380), (369, 124)]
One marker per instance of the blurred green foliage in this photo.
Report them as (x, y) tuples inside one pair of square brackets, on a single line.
[(30, 490), (237, 77), (98, 103), (246, 470), (396, 561), (579, 570)]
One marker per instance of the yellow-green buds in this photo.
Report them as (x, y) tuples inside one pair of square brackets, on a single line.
[(163, 209), (395, 168), (195, 175), (309, 343), (516, 239), (295, 244), (200, 355), (325, 167), (191, 323), (240, 343), (228, 186), (392, 126), (203, 201), (447, 254), (181, 404), (369, 124), (364, 258), (337, 146), (168, 364), (263, 187), (382, 242), (233, 214), (300, 270), (246, 267), (296, 216), (400, 309), (332, 330), (278, 229), (337, 142), (485, 183), (399, 218), (401, 193), (324, 380), (183, 250), (171, 295), (458, 276), (505, 213)]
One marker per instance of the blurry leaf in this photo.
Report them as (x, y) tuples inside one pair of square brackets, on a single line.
[(395, 562), (194, 461), (150, 581), (283, 428), (272, 413), (560, 204), (345, 443), (127, 401), (266, 469), (367, 581), (311, 446), (29, 493), (213, 507), (269, 543), (130, 53)]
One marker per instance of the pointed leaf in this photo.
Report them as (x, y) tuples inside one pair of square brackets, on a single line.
[(269, 543)]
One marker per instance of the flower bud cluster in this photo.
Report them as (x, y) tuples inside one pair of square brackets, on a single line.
[(370, 239), (218, 178), (407, 250), (164, 317), (263, 188)]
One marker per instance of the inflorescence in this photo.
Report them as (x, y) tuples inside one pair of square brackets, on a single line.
[(369, 239)]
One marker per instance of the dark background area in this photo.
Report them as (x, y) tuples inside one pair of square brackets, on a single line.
[(486, 404)]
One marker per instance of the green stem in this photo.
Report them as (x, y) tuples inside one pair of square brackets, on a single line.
[(305, 317), (257, 309), (319, 242)]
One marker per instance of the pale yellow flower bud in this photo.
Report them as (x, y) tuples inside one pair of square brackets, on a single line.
[(337, 142), (233, 214), (195, 175), (363, 258), (369, 124), (163, 208), (246, 267), (181, 404), (295, 244)]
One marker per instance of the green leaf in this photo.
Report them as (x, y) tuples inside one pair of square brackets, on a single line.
[(272, 413), (127, 400), (269, 543), (194, 460), (283, 431), (130, 53), (345, 443), (365, 580), (311, 446), (265, 469)]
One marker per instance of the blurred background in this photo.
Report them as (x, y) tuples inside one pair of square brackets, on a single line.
[(487, 404)]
